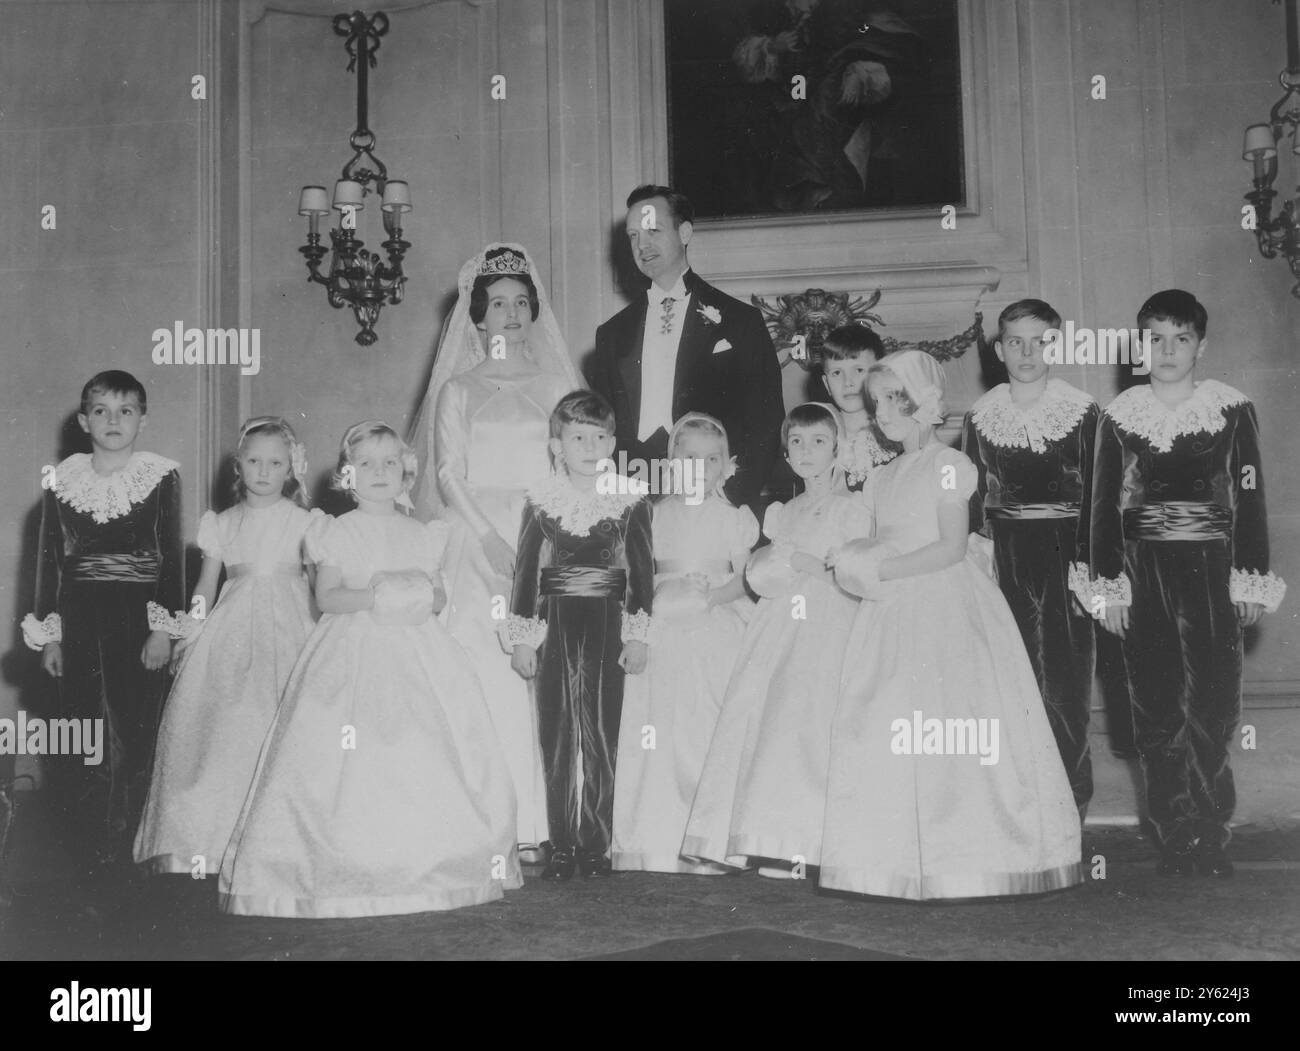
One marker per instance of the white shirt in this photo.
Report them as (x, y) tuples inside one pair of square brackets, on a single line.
[(659, 357)]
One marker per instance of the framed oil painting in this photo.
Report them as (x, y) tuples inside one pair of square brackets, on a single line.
[(807, 108)]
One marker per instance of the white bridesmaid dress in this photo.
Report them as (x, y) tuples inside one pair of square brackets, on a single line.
[(670, 711), (227, 687), (382, 787), (762, 794), (983, 807)]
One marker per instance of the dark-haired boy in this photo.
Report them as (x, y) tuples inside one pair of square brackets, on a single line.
[(844, 358), (1031, 439), (1179, 567), (109, 583), (579, 620)]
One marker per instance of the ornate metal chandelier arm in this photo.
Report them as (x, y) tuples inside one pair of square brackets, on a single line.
[(358, 278)]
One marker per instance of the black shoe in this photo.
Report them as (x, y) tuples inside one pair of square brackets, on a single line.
[(1212, 860), (1177, 860), (594, 865), (560, 866)]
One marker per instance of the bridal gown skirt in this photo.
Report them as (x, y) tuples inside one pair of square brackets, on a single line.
[(898, 824), (381, 788), (474, 589)]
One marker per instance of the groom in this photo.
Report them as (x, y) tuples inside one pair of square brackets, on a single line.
[(687, 347)]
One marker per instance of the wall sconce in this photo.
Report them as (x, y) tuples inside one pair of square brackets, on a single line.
[(1278, 233), (357, 277)]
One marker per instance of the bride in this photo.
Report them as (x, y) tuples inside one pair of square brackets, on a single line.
[(481, 435)]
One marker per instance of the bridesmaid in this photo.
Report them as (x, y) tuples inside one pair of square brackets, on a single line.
[(501, 367)]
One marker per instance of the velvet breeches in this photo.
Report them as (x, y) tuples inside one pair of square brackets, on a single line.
[(1032, 558), (104, 632), (1182, 652), (579, 703)]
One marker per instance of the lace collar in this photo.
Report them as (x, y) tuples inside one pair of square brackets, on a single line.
[(861, 454), (107, 496), (578, 511), (1139, 412), (1053, 417)]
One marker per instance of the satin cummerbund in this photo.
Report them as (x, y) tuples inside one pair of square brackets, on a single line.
[(584, 582), (264, 569), (1029, 511), (1178, 520), (140, 569)]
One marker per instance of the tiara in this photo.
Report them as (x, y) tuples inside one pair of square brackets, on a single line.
[(509, 262)]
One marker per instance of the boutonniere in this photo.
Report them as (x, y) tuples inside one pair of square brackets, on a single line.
[(711, 314)]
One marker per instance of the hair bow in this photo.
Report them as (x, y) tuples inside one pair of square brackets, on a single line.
[(298, 461)]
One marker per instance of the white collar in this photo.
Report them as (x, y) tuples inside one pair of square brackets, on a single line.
[(1140, 412), (107, 496), (1052, 417), (577, 510), (861, 454), (656, 295)]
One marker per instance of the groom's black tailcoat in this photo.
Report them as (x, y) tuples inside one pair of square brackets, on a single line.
[(739, 384)]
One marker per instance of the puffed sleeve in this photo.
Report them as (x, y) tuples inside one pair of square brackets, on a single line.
[(45, 625), (1250, 579), (769, 571), (209, 536), (451, 455), (319, 544), (1106, 577), (525, 625), (638, 550), (970, 447), (744, 529), (169, 590), (956, 476), (439, 533), (309, 520)]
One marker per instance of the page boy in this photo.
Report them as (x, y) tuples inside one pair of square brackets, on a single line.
[(1179, 540), (1031, 439), (109, 580)]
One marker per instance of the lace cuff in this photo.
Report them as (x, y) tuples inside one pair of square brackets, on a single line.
[(1112, 591), (636, 626), (180, 626), (36, 633), (523, 631), (1080, 582), (1249, 585)]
